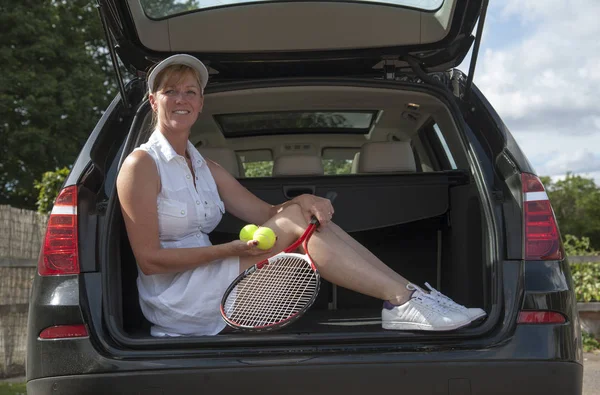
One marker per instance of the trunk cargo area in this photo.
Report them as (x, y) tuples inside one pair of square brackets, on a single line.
[(426, 226)]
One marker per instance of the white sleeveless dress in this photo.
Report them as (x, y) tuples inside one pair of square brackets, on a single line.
[(185, 303)]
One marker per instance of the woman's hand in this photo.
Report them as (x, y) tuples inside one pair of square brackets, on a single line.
[(317, 206), (250, 248)]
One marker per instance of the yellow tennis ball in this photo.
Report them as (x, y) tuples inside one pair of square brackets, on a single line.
[(265, 237), (247, 232)]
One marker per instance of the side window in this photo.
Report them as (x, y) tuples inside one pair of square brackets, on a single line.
[(257, 163), (338, 161), (435, 147), (442, 140)]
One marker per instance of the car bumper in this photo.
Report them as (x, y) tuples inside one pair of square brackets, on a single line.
[(452, 378)]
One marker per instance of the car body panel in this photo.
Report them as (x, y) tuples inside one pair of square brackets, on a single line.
[(438, 38), (99, 353), (476, 377)]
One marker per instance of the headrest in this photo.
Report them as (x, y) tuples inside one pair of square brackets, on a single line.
[(382, 157), (298, 165), (226, 157)]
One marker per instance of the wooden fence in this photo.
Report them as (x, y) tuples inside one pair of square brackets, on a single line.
[(21, 235)]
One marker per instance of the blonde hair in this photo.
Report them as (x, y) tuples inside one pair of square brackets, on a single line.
[(172, 75)]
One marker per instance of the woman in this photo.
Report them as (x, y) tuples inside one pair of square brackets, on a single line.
[(172, 198)]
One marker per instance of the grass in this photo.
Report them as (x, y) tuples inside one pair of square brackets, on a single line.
[(13, 389)]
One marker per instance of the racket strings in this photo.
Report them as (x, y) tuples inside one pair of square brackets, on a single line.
[(272, 294), (274, 303), (279, 275)]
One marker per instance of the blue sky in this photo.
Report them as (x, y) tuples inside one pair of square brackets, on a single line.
[(539, 66)]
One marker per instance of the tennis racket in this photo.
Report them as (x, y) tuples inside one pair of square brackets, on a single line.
[(275, 292)]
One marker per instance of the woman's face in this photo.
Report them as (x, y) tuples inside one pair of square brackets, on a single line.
[(178, 102)]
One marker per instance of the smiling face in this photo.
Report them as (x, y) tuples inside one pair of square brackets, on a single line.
[(177, 98)]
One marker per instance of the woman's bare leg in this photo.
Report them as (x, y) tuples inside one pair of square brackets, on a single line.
[(337, 261)]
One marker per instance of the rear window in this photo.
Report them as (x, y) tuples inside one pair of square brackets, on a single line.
[(256, 163), (338, 161), (259, 163), (164, 8)]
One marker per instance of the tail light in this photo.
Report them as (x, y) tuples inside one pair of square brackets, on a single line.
[(60, 249), (540, 317), (64, 332), (542, 239)]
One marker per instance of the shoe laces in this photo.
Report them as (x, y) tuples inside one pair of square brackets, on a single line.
[(427, 300), (443, 299)]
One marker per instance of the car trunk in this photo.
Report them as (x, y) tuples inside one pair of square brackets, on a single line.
[(427, 226)]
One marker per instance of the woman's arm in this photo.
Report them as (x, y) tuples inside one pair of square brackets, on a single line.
[(138, 185), (246, 206), (239, 201)]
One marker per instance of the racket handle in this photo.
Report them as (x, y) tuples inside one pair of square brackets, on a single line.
[(331, 195)]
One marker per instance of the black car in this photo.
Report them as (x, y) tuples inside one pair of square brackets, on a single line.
[(365, 100)]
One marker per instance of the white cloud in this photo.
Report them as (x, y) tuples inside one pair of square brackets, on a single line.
[(533, 9), (546, 85)]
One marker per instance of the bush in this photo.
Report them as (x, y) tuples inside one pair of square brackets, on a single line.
[(586, 277), (49, 187), (589, 342), (578, 246)]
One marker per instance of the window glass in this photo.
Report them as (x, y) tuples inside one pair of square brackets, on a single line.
[(257, 163), (295, 122), (338, 161), (438, 132), (165, 8)]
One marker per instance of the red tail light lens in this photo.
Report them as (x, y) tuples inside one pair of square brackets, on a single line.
[(60, 250), (540, 317), (542, 239), (64, 332)]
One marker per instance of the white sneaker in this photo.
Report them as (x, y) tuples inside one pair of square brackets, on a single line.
[(473, 313), (421, 312)]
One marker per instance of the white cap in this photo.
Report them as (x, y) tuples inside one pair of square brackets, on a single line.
[(184, 59)]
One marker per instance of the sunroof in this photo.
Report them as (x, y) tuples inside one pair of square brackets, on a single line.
[(164, 8), (295, 122)]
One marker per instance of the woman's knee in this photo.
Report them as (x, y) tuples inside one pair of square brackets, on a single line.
[(293, 212)]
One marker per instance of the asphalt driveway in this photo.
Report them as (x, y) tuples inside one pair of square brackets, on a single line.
[(591, 374)]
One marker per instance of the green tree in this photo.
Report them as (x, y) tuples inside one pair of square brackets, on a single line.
[(337, 166), (49, 187), (258, 169), (578, 246), (162, 8), (56, 80), (576, 203)]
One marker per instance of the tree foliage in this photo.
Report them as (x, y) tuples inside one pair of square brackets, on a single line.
[(162, 8), (335, 167), (56, 80), (576, 203), (586, 275), (49, 187), (258, 169)]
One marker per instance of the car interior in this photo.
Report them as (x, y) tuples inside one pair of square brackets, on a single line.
[(404, 190)]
